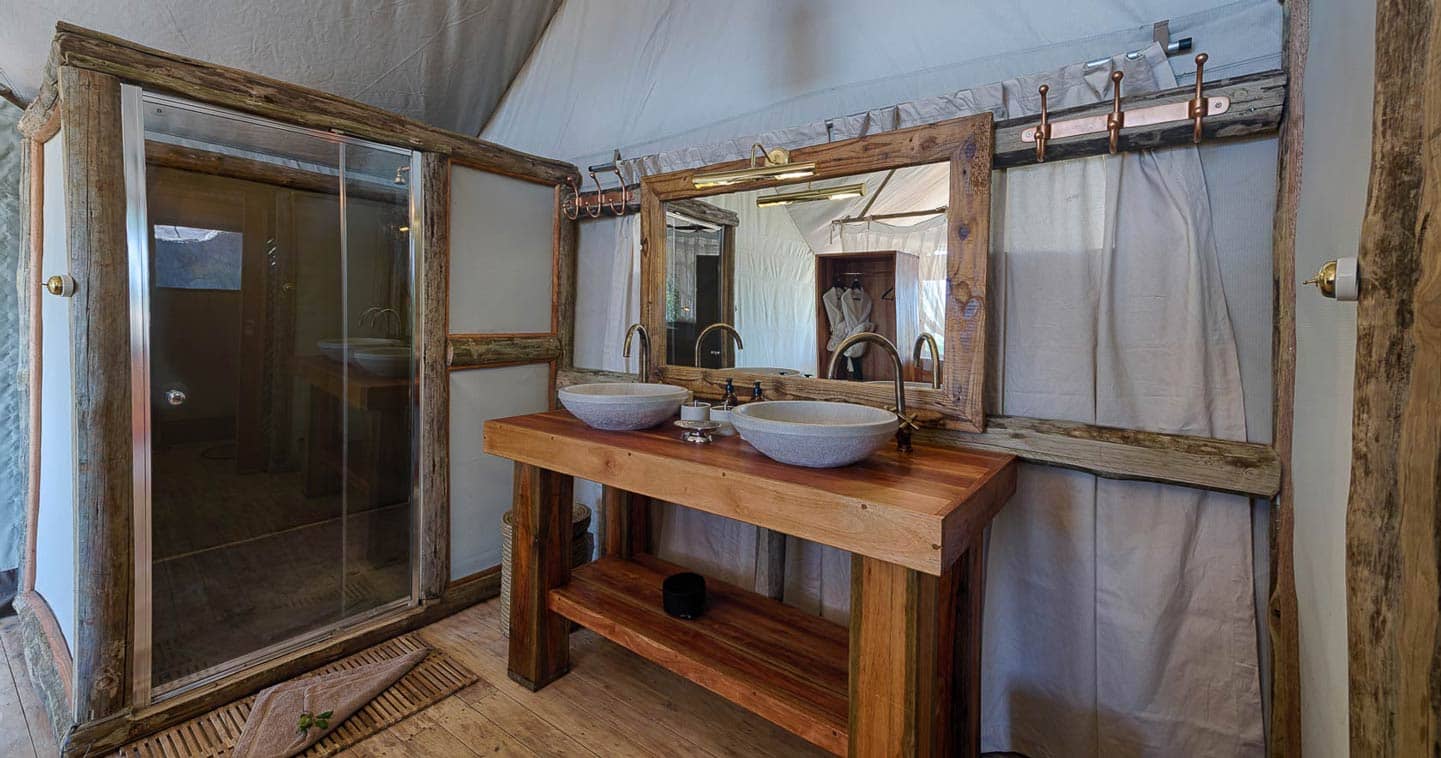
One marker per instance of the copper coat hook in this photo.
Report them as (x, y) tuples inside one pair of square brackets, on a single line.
[(599, 198), (1043, 130), (1199, 104), (619, 210), (1116, 118), (573, 211)]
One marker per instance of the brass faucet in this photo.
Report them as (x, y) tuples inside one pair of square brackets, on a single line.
[(740, 345), (903, 431), (374, 314), (638, 328), (927, 340)]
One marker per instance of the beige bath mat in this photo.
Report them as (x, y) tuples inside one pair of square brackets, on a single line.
[(214, 734)]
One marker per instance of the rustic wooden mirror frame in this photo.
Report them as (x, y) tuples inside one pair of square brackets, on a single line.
[(967, 143)]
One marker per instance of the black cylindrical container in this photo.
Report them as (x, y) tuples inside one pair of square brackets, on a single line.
[(683, 595)]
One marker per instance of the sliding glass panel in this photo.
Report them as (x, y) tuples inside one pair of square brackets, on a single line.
[(379, 413), (277, 289)]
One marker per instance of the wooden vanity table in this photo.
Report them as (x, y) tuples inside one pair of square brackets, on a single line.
[(903, 680)]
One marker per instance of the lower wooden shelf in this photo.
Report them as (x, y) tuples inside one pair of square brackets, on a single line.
[(781, 663)]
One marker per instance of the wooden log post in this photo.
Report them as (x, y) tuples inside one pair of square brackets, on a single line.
[(1393, 536), (770, 563), (491, 350), (540, 562), (915, 651), (625, 523), (434, 304), (100, 345), (1283, 614)]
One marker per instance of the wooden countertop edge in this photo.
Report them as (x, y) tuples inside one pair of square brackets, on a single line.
[(918, 539)]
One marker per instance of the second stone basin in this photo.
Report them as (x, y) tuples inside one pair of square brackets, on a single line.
[(813, 433), (623, 406)]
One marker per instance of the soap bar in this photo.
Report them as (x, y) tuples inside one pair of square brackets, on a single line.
[(683, 595)]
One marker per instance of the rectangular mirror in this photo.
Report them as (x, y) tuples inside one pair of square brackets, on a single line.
[(762, 278), (770, 286)]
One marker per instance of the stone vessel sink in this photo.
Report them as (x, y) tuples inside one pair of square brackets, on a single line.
[(622, 406), (389, 361), (341, 349), (813, 433)]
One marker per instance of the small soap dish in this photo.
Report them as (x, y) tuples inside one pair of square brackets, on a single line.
[(698, 432)]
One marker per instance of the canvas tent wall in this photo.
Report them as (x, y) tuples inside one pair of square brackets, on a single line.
[(674, 84)]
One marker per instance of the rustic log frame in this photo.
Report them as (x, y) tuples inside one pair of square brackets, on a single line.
[(1393, 537), (1282, 618), (100, 361), (433, 341), (966, 144), (160, 71), (272, 174), (97, 714)]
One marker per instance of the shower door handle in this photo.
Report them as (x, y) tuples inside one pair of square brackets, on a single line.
[(175, 397)]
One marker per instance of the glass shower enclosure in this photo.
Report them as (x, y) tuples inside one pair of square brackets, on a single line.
[(272, 310)]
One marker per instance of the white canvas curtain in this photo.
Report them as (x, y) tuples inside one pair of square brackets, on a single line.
[(1119, 617)]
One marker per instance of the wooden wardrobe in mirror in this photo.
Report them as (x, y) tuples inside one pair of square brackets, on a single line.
[(880, 287)]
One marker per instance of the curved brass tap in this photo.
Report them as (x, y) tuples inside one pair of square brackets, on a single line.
[(740, 345), (638, 328), (927, 340), (903, 431)]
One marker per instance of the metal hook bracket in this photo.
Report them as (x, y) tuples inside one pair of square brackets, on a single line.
[(1198, 105), (1116, 119), (1043, 130)]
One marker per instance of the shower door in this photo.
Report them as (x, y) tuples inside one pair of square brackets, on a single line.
[(275, 386)]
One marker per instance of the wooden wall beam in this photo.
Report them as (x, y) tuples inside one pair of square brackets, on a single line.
[(434, 307), (273, 174), (565, 252), (1282, 616), (100, 345), (1393, 520), (469, 351), (1244, 468), (1257, 102), (42, 117), (241, 90)]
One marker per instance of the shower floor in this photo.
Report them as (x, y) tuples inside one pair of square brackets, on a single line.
[(245, 561)]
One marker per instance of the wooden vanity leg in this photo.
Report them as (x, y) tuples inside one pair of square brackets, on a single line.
[(625, 518), (540, 549), (915, 660)]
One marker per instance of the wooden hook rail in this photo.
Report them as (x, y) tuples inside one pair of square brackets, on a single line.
[(1195, 110)]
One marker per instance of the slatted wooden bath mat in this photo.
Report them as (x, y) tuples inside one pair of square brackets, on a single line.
[(215, 733)]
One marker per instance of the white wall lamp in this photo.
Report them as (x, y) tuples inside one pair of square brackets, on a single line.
[(1339, 279)]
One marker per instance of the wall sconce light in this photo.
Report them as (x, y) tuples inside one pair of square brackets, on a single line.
[(764, 164), (812, 195)]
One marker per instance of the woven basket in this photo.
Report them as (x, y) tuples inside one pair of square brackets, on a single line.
[(582, 546)]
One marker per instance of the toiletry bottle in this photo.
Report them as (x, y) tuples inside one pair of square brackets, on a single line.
[(730, 399), (756, 394)]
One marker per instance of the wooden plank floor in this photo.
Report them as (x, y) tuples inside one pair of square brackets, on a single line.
[(24, 727), (612, 703)]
